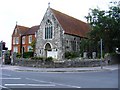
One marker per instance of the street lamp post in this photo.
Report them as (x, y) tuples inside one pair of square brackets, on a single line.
[(1, 44), (101, 53)]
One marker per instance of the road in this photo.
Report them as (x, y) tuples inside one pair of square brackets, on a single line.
[(30, 79)]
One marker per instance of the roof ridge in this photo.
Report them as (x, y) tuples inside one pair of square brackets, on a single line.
[(22, 26), (22, 29), (67, 15), (70, 24), (32, 30)]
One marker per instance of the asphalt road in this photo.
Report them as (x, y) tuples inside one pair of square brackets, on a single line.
[(31, 79)]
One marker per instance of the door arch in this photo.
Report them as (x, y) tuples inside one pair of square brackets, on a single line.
[(47, 48)]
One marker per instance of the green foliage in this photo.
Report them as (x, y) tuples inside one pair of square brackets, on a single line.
[(49, 59), (84, 45), (28, 54), (105, 25), (33, 45), (88, 45), (18, 55), (70, 55)]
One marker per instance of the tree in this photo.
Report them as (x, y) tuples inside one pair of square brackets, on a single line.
[(105, 25), (33, 45)]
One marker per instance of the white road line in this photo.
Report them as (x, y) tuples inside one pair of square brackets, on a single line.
[(67, 85), (36, 80), (2, 86), (54, 83), (9, 78), (30, 85)]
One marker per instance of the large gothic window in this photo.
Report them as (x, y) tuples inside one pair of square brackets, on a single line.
[(48, 30)]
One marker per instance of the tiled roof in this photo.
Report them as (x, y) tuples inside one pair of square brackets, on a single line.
[(26, 30), (32, 30), (21, 29), (71, 25)]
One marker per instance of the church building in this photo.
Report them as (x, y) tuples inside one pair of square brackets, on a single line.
[(59, 33)]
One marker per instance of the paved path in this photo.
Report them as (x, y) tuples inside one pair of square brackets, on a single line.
[(79, 69)]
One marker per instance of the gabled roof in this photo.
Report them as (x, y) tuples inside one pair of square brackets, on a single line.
[(32, 30), (26, 30), (71, 25), (21, 29)]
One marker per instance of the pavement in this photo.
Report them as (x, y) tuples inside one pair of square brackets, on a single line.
[(78, 69)]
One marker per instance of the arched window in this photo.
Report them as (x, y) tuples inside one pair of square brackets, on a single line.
[(48, 30)]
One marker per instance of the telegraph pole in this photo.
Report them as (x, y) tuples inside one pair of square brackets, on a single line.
[(1, 47), (101, 53)]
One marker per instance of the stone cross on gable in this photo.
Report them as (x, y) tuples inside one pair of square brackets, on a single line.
[(16, 22), (49, 4)]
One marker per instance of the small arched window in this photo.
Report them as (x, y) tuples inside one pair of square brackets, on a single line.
[(48, 30)]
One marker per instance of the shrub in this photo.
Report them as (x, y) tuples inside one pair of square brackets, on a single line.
[(18, 55), (70, 55), (40, 58), (49, 59), (28, 54)]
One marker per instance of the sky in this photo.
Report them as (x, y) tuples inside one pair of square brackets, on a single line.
[(30, 12)]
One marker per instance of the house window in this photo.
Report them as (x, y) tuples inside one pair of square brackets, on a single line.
[(30, 39), (73, 45), (15, 40), (67, 42), (15, 49), (30, 48), (40, 51), (23, 40), (48, 30)]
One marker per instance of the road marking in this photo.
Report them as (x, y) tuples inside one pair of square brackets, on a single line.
[(54, 83), (2, 86), (67, 85), (30, 85), (36, 80), (10, 78)]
